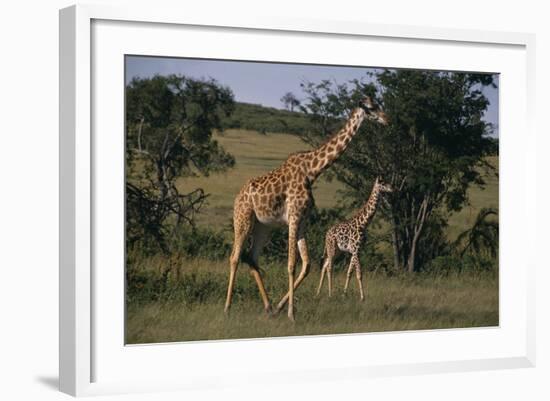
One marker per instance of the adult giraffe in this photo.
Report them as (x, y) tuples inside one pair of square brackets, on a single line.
[(283, 196)]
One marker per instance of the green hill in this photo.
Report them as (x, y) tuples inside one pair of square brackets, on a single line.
[(256, 117), (257, 154)]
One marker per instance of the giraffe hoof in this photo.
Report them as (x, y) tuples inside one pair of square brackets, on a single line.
[(269, 311)]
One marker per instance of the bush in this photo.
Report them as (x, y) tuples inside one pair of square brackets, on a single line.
[(200, 243), (146, 285), (320, 220), (318, 223), (444, 265)]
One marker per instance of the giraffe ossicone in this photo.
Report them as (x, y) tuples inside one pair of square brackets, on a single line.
[(284, 196)]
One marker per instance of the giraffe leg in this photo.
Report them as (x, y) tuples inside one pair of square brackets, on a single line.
[(331, 251), (329, 254), (358, 276), (289, 297), (233, 263), (323, 272), (327, 269), (348, 275), (260, 236), (329, 277), (242, 224), (265, 299), (304, 256)]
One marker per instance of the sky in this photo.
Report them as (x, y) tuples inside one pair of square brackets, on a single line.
[(264, 83)]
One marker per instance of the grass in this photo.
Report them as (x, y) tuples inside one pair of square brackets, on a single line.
[(181, 300), (190, 304)]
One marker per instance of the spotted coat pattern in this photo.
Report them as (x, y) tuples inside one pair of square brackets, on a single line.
[(348, 236), (284, 196)]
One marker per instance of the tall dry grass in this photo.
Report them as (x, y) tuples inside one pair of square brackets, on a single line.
[(186, 298)]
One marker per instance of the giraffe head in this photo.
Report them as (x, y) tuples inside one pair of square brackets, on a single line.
[(373, 111), (382, 186)]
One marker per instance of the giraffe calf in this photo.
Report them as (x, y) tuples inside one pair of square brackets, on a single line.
[(348, 236)]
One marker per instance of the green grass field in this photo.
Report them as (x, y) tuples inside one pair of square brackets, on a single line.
[(180, 300), (191, 307)]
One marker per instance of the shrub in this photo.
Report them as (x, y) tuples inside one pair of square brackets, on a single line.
[(452, 263), (318, 223), (200, 243), (147, 285)]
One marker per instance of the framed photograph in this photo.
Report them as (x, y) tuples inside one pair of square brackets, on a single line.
[(289, 199)]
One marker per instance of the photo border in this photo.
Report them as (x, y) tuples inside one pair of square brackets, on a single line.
[(76, 184)]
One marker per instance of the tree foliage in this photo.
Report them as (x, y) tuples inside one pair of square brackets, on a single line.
[(432, 151), (169, 125), (290, 101)]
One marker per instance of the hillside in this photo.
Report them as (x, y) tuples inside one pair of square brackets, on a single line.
[(256, 154), (266, 119)]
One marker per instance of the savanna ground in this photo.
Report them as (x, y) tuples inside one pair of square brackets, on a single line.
[(182, 299)]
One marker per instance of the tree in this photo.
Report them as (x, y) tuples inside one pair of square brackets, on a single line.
[(432, 151), (482, 237), (290, 101), (169, 124)]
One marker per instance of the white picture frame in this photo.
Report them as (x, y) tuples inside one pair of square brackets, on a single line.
[(94, 360)]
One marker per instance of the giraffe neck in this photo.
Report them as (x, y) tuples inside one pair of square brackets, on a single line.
[(366, 213), (322, 157)]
